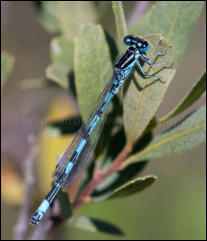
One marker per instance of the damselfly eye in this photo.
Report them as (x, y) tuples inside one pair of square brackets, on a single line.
[(128, 40), (145, 46)]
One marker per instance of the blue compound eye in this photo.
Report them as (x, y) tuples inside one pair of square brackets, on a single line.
[(128, 40), (145, 46)]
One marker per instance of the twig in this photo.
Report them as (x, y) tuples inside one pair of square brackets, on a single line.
[(120, 21), (40, 232), (100, 176), (22, 224)]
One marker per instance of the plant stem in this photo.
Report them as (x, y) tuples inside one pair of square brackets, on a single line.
[(120, 20), (99, 176), (22, 224)]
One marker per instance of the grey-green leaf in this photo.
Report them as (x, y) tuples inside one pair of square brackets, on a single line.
[(95, 225), (131, 187), (118, 179), (71, 14), (62, 51), (65, 205), (59, 72), (66, 16), (7, 62), (48, 16), (93, 66), (143, 96), (175, 20), (195, 92), (185, 135)]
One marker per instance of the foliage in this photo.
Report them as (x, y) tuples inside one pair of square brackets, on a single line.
[(85, 50), (7, 62)]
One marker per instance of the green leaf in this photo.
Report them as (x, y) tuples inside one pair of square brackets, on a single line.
[(95, 225), (48, 16), (174, 20), (93, 67), (65, 205), (72, 14), (120, 21), (117, 179), (185, 135), (62, 49), (115, 145), (143, 96), (130, 188), (66, 16), (195, 92), (7, 63), (102, 9), (66, 126), (59, 73)]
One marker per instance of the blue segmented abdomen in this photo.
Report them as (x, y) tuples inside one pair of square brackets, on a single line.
[(83, 141), (42, 209)]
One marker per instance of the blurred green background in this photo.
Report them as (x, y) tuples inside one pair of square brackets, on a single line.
[(175, 206)]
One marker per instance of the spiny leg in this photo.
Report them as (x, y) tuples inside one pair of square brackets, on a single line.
[(146, 76), (145, 58), (167, 64)]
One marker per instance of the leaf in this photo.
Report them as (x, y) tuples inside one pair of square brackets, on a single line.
[(7, 63), (93, 67), (95, 225), (130, 188), (117, 179), (59, 73), (119, 20), (115, 145), (62, 56), (195, 92), (65, 205), (62, 49), (66, 17), (174, 20), (143, 96), (72, 14), (183, 136), (66, 126), (102, 9), (48, 16)]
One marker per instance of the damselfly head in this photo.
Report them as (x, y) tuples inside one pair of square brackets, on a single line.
[(139, 43)]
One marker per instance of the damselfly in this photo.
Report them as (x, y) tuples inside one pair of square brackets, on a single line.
[(82, 146)]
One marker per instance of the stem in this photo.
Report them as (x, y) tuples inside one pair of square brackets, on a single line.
[(120, 20), (22, 224), (41, 231), (100, 176)]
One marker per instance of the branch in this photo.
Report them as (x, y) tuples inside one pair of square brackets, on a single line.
[(100, 176), (40, 232), (22, 224)]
